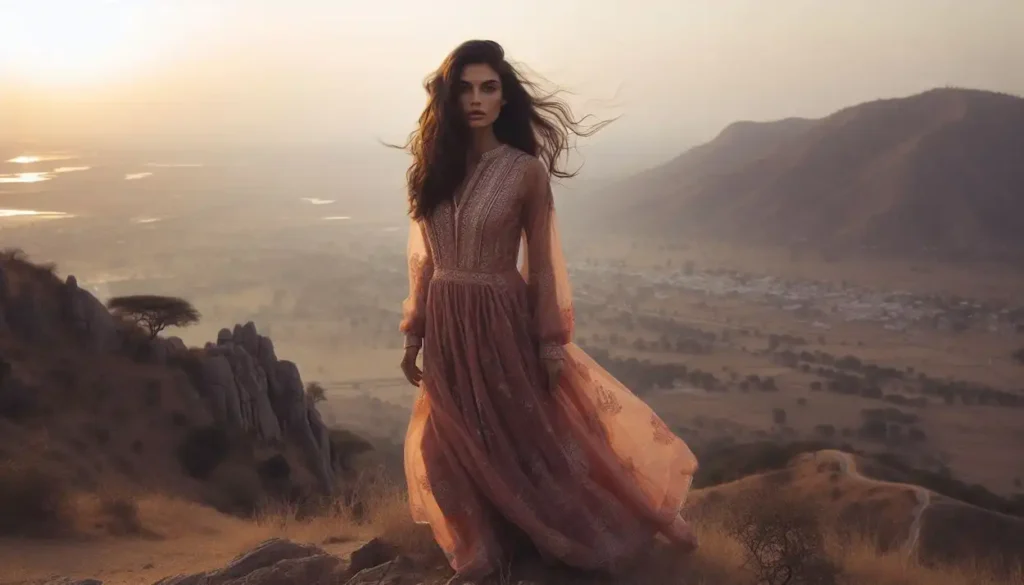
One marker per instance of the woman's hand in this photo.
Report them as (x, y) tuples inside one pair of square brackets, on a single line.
[(554, 370), (409, 368)]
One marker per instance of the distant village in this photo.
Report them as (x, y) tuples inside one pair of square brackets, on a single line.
[(813, 302)]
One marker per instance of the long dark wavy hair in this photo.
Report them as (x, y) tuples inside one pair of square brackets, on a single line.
[(536, 123)]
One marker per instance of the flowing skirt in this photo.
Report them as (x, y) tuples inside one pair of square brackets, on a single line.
[(588, 472)]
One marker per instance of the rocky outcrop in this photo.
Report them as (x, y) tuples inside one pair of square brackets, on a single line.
[(282, 562), (243, 383), (90, 318), (274, 562), (249, 389)]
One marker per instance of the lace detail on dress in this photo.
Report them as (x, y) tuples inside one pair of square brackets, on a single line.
[(420, 271)]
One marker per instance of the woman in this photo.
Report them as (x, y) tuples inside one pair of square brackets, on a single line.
[(516, 431)]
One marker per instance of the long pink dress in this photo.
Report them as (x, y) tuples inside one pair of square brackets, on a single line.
[(588, 472)]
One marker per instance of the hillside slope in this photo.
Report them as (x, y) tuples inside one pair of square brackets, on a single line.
[(94, 413), (849, 493), (941, 172)]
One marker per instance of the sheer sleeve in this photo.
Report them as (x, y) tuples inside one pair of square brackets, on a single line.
[(544, 266), (421, 269)]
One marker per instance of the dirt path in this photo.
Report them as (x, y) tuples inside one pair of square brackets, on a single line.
[(848, 466)]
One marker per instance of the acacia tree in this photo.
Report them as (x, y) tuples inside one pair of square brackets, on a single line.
[(154, 312)]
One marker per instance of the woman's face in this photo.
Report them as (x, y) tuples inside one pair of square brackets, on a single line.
[(480, 95)]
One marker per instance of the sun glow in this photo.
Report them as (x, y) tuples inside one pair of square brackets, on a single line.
[(74, 42)]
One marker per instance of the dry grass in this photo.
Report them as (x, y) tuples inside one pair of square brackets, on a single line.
[(379, 508), (170, 535), (373, 506)]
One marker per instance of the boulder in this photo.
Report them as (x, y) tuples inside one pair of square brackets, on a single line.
[(90, 318), (273, 562)]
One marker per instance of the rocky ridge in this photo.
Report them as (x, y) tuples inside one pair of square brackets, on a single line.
[(244, 385)]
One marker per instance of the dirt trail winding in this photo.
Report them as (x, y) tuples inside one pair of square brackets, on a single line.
[(848, 466)]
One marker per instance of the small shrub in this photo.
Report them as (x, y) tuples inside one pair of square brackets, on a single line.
[(151, 397), (203, 450), (779, 416), (179, 419), (345, 446), (781, 539), (238, 491), (315, 392), (32, 502), (121, 514), (825, 430), (18, 402), (274, 469)]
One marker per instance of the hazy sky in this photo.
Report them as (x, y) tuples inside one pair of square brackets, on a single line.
[(275, 71)]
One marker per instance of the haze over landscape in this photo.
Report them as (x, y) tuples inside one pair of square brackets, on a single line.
[(801, 242)]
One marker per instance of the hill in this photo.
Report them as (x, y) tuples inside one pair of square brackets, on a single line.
[(94, 412), (940, 173), (851, 495)]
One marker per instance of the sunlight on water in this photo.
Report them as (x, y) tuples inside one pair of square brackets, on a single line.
[(147, 219), (136, 176), (31, 213), (174, 165), (28, 159), (70, 169), (24, 160), (337, 217), (316, 201), (25, 178)]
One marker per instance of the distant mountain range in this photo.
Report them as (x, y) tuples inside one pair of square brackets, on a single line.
[(938, 173)]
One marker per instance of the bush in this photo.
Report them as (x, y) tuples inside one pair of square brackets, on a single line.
[(315, 392), (18, 401), (274, 469), (345, 446), (825, 430), (122, 515), (32, 503), (781, 539), (779, 416), (202, 450)]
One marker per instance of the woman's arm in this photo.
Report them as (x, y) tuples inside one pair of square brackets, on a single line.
[(421, 270), (545, 271)]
